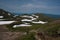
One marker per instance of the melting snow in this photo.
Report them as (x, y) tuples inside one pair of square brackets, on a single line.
[(23, 20), (27, 16), (21, 25), (15, 15), (9, 14), (1, 16), (6, 22), (41, 22), (33, 18), (37, 16), (26, 20)]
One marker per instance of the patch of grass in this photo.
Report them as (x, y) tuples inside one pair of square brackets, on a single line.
[(28, 37), (24, 29)]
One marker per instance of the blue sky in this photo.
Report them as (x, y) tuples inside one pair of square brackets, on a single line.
[(31, 6)]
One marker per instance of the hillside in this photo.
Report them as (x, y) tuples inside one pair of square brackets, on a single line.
[(50, 31), (31, 26), (5, 14)]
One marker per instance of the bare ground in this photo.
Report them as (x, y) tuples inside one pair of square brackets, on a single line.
[(10, 35), (5, 34)]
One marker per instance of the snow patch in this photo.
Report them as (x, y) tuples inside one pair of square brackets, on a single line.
[(1, 16), (27, 16), (6, 22), (39, 22), (26, 20), (15, 15), (22, 25), (9, 14), (33, 18)]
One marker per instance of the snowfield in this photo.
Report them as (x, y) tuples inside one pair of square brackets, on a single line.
[(6, 22)]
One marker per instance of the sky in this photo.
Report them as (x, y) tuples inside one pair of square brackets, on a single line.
[(31, 6)]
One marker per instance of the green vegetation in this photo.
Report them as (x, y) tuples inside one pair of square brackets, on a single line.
[(52, 28), (27, 37), (24, 29), (42, 17)]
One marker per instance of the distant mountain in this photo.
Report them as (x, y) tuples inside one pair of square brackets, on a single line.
[(49, 15), (53, 16)]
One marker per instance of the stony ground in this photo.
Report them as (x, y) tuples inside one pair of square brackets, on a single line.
[(3, 28), (7, 35), (10, 35)]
